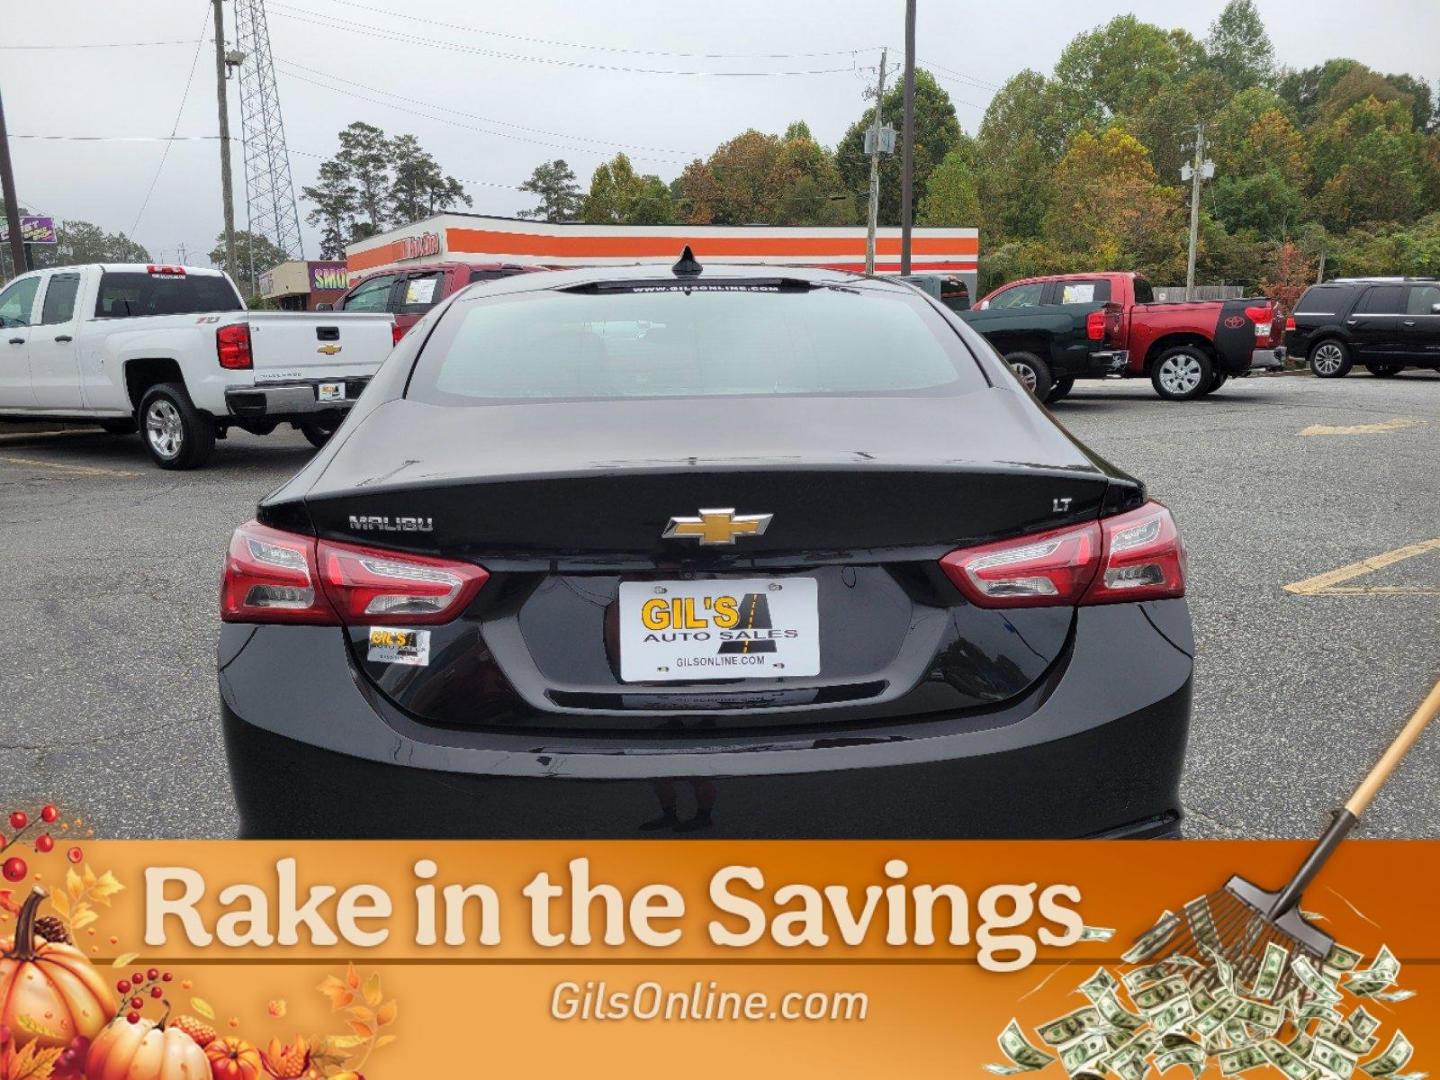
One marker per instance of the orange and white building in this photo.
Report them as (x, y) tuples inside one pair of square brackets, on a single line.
[(478, 238)]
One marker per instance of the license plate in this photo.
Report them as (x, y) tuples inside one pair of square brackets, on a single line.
[(332, 391), (753, 628)]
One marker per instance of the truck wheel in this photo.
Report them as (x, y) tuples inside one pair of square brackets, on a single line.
[(1062, 387), (1033, 372), (1183, 373), (1331, 359), (317, 433), (1384, 371), (119, 427), (178, 435), (1219, 379)]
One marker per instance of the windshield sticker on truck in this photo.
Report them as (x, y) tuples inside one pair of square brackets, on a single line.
[(391, 646), (420, 290), (1080, 293)]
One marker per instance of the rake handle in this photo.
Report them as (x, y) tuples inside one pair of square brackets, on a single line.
[(1346, 819)]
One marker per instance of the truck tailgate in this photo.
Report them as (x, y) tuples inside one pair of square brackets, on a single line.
[(287, 346)]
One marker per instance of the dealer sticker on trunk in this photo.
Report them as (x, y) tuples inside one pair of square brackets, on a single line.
[(684, 631), (389, 645)]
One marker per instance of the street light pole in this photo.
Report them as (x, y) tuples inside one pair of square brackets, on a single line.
[(1198, 168), (874, 215), (907, 155)]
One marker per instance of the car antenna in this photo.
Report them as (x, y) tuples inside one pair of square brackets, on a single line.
[(688, 264)]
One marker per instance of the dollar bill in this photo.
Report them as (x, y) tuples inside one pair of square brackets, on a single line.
[(1391, 996), (1097, 933), (1083, 1052), (1396, 1056), (1070, 1026), (1335, 1060), (1342, 959), (1023, 1057), (1223, 971), (1213, 1019), (1141, 976), (1202, 924), (1240, 1059), (1155, 997), (1381, 974), (1361, 1022), (1153, 940), (1116, 1015), (1191, 1056), (1102, 982), (1173, 1015), (1272, 966), (1287, 1061), (1268, 1017), (1346, 1038), (1302, 1044), (1313, 981)]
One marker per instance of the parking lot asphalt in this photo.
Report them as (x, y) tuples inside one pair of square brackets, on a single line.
[(109, 571)]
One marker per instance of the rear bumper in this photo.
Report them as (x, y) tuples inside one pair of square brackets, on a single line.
[(284, 400), (313, 751)]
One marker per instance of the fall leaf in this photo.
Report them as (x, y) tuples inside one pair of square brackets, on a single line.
[(33, 1063), (106, 887), (59, 901), (73, 884), (384, 1040), (83, 916), (365, 1031), (372, 989), (124, 959), (386, 1013), (352, 977), (277, 1008), (361, 1013), (337, 1043), (203, 1007), (35, 1027), (339, 995)]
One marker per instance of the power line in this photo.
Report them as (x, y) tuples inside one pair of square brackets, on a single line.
[(164, 154), (304, 73), (412, 39), (980, 83), (94, 45), (603, 48)]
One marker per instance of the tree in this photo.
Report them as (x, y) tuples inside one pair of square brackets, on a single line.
[(1266, 204), (952, 197), (266, 256), (365, 157), (936, 131), (620, 196), (419, 188), (1116, 68), (333, 198), (83, 242), (811, 191), (553, 182), (1021, 138), (1238, 47), (738, 184), (1370, 166)]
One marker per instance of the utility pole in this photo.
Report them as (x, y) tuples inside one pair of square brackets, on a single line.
[(874, 215), (907, 154), (1199, 170), (227, 195), (12, 201)]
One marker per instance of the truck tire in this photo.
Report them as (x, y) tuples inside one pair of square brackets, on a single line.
[(317, 432), (1217, 380), (1063, 386), (1183, 373), (1384, 371), (177, 435), (1331, 359), (1033, 373)]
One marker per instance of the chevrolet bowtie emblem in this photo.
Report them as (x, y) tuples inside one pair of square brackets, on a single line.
[(716, 526), (329, 350)]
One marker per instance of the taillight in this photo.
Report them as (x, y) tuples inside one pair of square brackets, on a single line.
[(1095, 325), (273, 576), (1132, 556), (1262, 316), (232, 346), (1290, 322), (396, 333)]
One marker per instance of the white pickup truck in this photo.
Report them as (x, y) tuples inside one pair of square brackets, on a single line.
[(171, 351)]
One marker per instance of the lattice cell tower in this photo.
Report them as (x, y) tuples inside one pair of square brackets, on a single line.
[(269, 191)]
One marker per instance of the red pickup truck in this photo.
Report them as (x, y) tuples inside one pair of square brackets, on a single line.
[(1064, 327), (408, 292)]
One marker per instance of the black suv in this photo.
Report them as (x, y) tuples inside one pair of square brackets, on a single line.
[(1387, 324)]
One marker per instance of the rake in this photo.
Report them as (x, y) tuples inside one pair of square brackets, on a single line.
[(1237, 922)]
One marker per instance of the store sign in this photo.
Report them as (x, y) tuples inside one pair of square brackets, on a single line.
[(34, 230), (328, 276), (417, 247)]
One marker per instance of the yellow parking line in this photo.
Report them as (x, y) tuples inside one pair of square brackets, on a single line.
[(1361, 429), (1330, 582), (73, 470)]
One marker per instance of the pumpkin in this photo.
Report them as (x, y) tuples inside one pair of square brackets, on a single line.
[(145, 1051), (233, 1059), (49, 993)]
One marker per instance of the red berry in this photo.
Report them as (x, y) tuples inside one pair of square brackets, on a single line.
[(152, 974), (15, 869), (137, 1003), (19, 819), (138, 978), (157, 992), (166, 977), (133, 1017), (123, 986), (75, 854), (44, 843), (48, 813)]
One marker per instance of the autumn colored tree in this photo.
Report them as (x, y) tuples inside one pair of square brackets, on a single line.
[(620, 196)]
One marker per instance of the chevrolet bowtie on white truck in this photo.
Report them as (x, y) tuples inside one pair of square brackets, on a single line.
[(172, 351)]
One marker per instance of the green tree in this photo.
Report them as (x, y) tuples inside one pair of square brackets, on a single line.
[(620, 196), (333, 200), (936, 131), (418, 187), (265, 256), (809, 189), (365, 158), (1238, 47), (1370, 166), (553, 183), (1021, 138), (1264, 203), (80, 242), (1116, 68), (952, 197)]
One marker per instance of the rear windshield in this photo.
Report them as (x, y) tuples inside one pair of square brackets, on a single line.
[(132, 294), (550, 345), (1323, 300)]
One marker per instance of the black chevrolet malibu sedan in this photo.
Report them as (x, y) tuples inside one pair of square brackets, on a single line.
[(728, 551)]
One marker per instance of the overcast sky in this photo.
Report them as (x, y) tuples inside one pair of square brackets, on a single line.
[(501, 87)]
